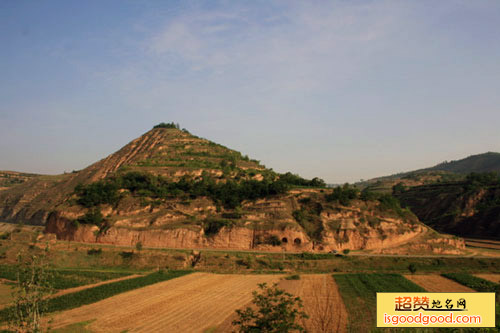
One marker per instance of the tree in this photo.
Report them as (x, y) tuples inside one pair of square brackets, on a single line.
[(33, 285), (276, 311), (138, 246), (412, 268)]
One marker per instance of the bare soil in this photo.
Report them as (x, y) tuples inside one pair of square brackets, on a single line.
[(437, 283), (191, 303), (490, 277), (321, 299)]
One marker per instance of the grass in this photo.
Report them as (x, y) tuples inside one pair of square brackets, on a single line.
[(5, 293), (359, 294), (92, 295), (64, 279), (473, 282), (74, 328), (481, 285)]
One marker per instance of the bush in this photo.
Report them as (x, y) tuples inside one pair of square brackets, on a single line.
[(101, 192), (169, 125), (412, 268), (346, 251), (296, 180), (293, 277), (213, 226), (273, 240), (138, 246), (126, 254), (343, 194), (94, 252), (275, 311), (93, 216)]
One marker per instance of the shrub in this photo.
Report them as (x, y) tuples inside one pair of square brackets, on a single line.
[(93, 216), (412, 268), (126, 254), (275, 311), (101, 192), (169, 125), (346, 251), (293, 277), (343, 194), (273, 240), (94, 252), (138, 246), (213, 226)]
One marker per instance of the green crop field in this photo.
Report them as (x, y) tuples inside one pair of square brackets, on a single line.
[(359, 294), (68, 278)]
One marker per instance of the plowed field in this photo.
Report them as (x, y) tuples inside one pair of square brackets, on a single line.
[(490, 277), (437, 283), (188, 304), (321, 300)]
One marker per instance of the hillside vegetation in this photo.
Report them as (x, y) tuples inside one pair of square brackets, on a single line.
[(446, 171), (469, 208), (170, 188)]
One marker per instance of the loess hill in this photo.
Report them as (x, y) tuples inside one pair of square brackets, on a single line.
[(443, 172), (169, 188), (468, 208)]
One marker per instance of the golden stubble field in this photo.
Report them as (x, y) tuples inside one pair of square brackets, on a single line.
[(437, 284), (191, 303), (201, 301)]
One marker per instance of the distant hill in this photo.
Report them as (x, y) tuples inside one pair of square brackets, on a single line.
[(13, 178), (486, 162), (468, 208), (442, 172)]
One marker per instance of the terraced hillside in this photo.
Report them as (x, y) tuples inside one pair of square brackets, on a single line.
[(469, 208), (169, 188), (9, 179)]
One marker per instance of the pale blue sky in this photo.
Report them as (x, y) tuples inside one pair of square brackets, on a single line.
[(342, 90)]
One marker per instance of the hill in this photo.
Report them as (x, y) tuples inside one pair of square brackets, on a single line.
[(487, 162), (169, 188), (469, 208), (442, 172), (13, 178)]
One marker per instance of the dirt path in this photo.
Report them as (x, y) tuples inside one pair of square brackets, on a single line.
[(188, 304), (490, 277), (437, 283)]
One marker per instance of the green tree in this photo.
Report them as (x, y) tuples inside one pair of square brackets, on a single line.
[(276, 311), (34, 283), (412, 268)]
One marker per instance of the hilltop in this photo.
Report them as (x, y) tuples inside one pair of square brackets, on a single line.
[(170, 188)]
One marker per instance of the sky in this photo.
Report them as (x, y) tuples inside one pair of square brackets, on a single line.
[(341, 90)]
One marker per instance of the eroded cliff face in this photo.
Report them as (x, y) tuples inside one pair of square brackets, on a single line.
[(264, 225)]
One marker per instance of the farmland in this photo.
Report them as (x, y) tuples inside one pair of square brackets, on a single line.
[(359, 294), (187, 304), (99, 286), (437, 283)]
